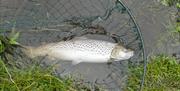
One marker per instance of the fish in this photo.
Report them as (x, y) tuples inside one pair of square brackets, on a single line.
[(82, 49)]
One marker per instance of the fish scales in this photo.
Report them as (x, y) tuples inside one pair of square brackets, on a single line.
[(90, 46), (82, 50)]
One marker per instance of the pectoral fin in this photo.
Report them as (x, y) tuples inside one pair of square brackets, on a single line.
[(110, 61), (76, 62)]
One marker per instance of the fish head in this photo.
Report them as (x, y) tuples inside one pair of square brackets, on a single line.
[(121, 53)]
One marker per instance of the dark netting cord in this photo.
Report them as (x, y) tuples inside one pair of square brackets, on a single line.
[(49, 15)]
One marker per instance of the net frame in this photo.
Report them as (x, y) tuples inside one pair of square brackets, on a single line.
[(11, 19)]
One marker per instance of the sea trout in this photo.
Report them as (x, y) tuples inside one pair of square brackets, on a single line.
[(82, 49)]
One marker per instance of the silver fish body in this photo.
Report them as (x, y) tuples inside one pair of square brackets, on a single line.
[(83, 50)]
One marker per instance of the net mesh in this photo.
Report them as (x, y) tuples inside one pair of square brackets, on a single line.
[(50, 21)]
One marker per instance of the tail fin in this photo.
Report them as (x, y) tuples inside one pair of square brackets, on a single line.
[(33, 52)]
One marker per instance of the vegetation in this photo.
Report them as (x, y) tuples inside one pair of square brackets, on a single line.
[(32, 79), (171, 3), (7, 44), (163, 74)]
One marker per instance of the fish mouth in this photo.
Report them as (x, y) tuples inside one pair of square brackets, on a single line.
[(130, 55), (127, 57)]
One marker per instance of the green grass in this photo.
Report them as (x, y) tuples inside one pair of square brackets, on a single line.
[(32, 79), (35, 78), (170, 3), (163, 74)]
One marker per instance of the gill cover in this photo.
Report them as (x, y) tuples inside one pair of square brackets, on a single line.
[(121, 53)]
